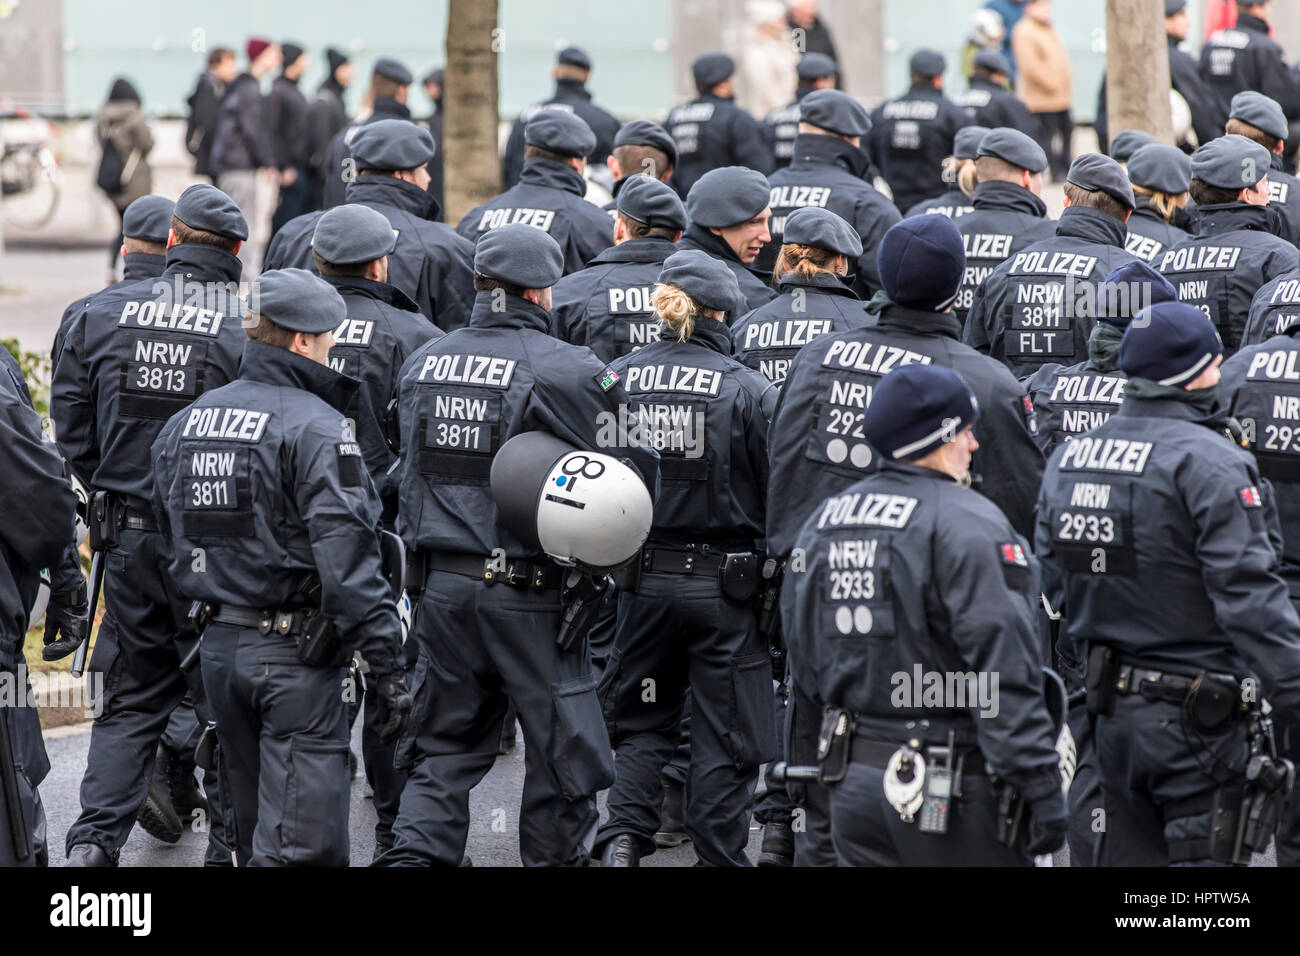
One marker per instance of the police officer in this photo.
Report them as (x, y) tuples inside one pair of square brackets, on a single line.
[(640, 147), (430, 263), (144, 251), (1070, 400), (37, 534), (710, 130), (959, 171), (1184, 79), (911, 135), (952, 589), (606, 306), (813, 297), (728, 216), (1038, 306), (1260, 119), (264, 477), (1129, 142), (816, 71), (1161, 176), (390, 82), (1158, 524), (987, 100), (831, 171), (1009, 213), (549, 192), (690, 621), (1274, 309), (132, 359), (1245, 57), (433, 87), (571, 73), (1231, 252), (481, 639)]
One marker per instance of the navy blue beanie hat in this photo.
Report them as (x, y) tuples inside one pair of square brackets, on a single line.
[(1129, 289), (1169, 343), (921, 262), (916, 408)]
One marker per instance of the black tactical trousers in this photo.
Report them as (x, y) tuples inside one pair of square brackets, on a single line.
[(282, 725), (867, 831), (1087, 811), (811, 813), (137, 663), (480, 645), (679, 631), (31, 766), (386, 781), (1148, 763)]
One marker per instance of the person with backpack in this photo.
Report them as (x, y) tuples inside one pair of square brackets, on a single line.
[(125, 141)]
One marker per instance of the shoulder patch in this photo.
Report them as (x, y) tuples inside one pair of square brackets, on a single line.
[(1250, 497), (1027, 410), (1013, 554), (351, 472), (606, 378)]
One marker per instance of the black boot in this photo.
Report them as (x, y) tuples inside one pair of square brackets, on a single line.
[(778, 845), (508, 729), (187, 797), (672, 818), (621, 851), (157, 815), (90, 855)]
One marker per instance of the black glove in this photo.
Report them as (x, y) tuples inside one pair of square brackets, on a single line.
[(66, 613), (1047, 823), (394, 706)]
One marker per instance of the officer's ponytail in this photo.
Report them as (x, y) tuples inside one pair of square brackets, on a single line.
[(805, 261), (677, 309), (1165, 204), (967, 179)]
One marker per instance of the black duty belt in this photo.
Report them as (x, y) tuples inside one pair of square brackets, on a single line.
[(287, 623), (519, 572), (134, 520), (1154, 684), (706, 561), (876, 753)]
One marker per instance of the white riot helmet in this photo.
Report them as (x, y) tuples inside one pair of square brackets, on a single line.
[(582, 508)]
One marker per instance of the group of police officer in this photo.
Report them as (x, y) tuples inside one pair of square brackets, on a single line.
[(904, 472)]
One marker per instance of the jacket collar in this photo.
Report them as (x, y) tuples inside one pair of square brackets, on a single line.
[(364, 288), (822, 282), (999, 195), (1227, 217), (391, 191), (539, 171), (984, 83), (386, 107), (210, 263), (923, 90), (142, 265), (911, 471), (1246, 21), (712, 334), (715, 98), (571, 90), (819, 149), (698, 237), (1091, 225), (518, 314), (271, 365), (905, 319), (645, 249), (333, 85)]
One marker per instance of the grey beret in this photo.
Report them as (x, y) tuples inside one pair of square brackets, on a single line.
[(1162, 168), (560, 132), (647, 200), (710, 69), (836, 111), (646, 133), (574, 56), (392, 144), (352, 233), (993, 61), (1261, 112), (1174, 6), (298, 300), (390, 69), (1129, 142), (519, 254), (1014, 147), (816, 65), (927, 63), (1231, 162), (433, 76), (822, 229), (1093, 172), (727, 196), (966, 144), (705, 279), (148, 219), (207, 208)]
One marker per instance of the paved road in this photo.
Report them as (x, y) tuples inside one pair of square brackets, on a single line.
[(487, 846)]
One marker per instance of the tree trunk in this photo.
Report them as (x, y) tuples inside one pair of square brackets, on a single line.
[(1137, 69), (471, 166)]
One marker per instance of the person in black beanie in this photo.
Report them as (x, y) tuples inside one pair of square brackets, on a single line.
[(326, 116), (286, 116)]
